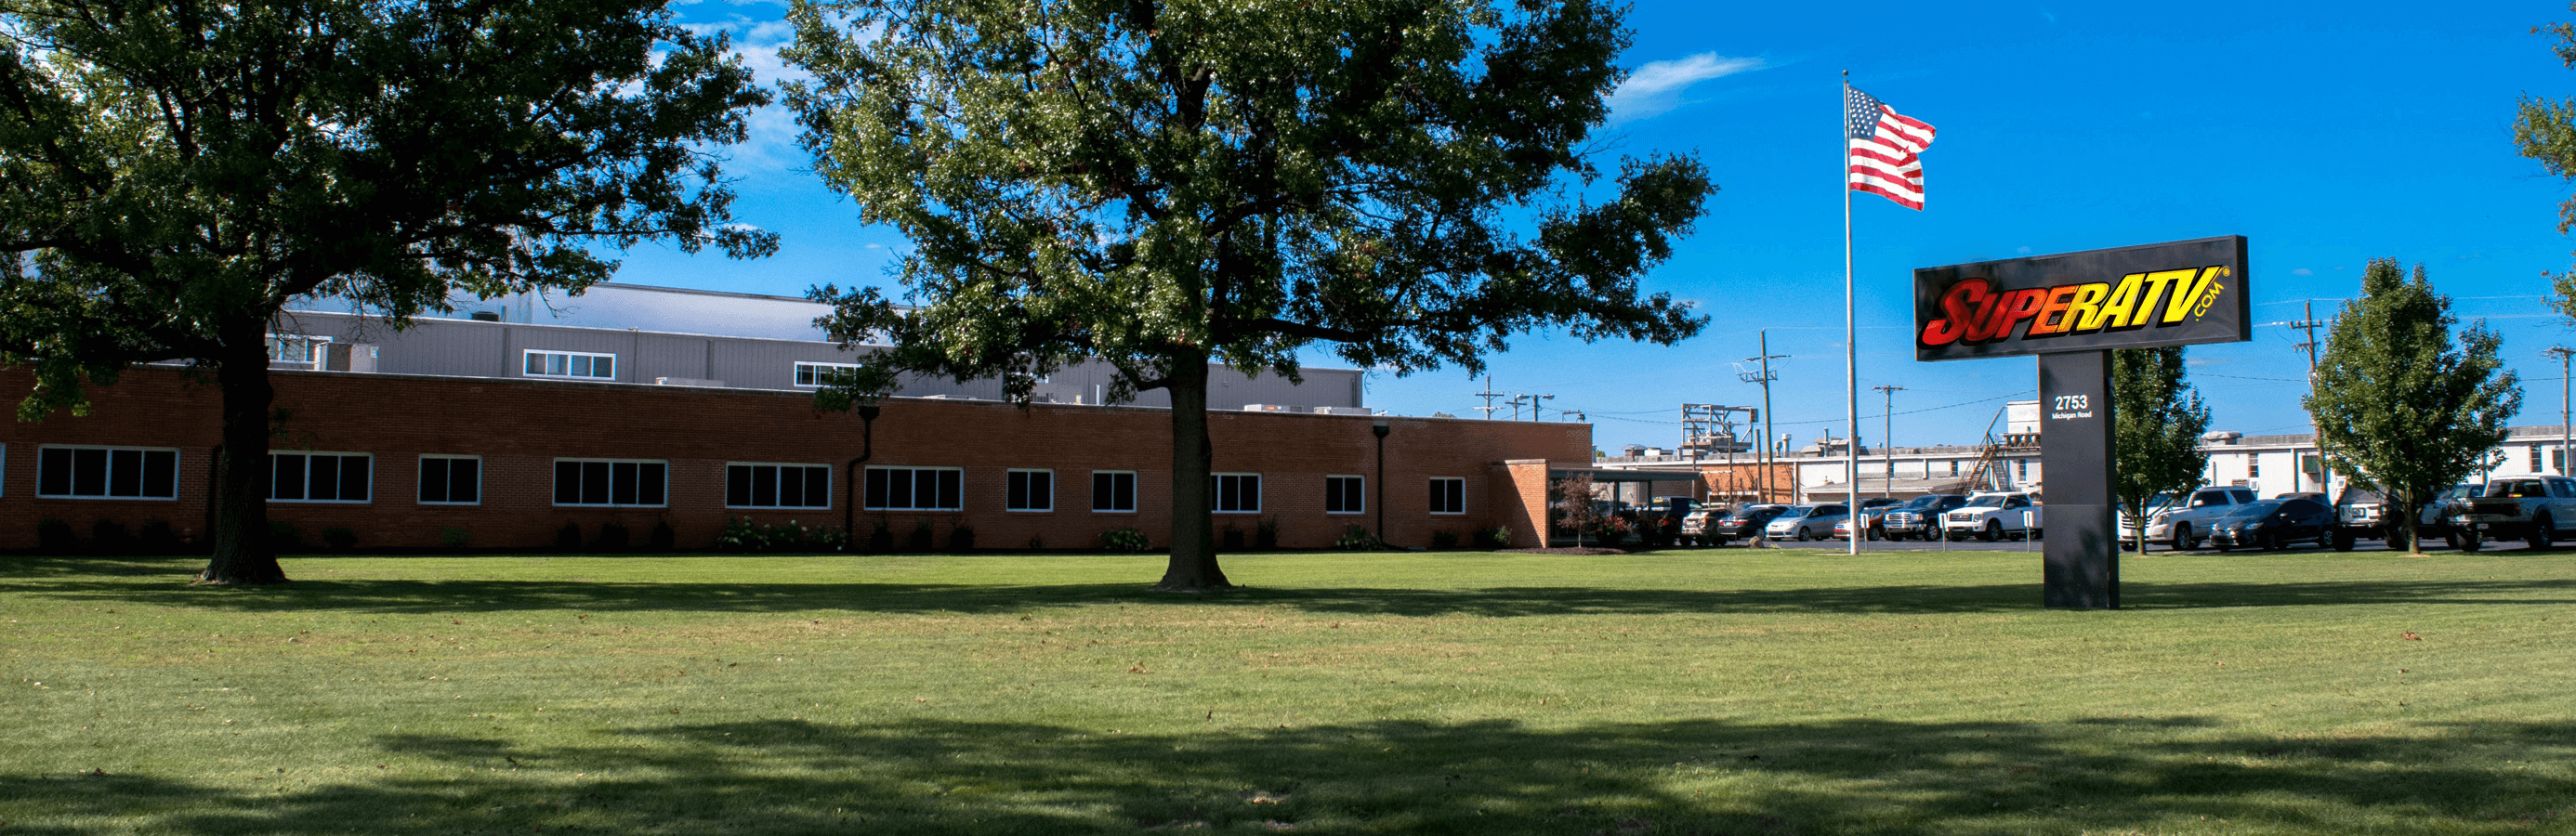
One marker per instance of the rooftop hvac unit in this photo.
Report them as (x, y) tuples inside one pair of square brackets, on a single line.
[(689, 381), (1271, 407), (1345, 410)]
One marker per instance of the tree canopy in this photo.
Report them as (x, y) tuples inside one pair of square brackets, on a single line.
[(2402, 404), (2157, 418), (172, 174), (1162, 185)]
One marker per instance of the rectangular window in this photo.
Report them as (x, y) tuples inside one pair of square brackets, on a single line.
[(1031, 490), (778, 486), (107, 472), (1448, 495), (1344, 494), (817, 374), (2535, 458), (2021, 469), (296, 351), (612, 482), (320, 477), (2558, 461), (571, 364), (451, 480), (2253, 467), (1113, 491), (1236, 493), (1954, 467), (916, 489)]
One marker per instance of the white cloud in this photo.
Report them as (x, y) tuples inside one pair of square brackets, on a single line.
[(1657, 87), (771, 141), (2303, 272)]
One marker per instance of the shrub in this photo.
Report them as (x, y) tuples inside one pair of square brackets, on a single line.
[(881, 539), (1037, 542), (282, 537), (829, 539), (454, 537), (1232, 538), (961, 538), (1499, 537), (110, 537), (923, 539), (569, 537), (339, 539), (612, 537), (1356, 538), (1265, 534), (1444, 540), (662, 538), (1612, 531), (156, 537), (1126, 540), (55, 536)]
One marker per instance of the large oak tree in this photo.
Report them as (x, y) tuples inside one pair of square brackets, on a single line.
[(173, 173), (1163, 184)]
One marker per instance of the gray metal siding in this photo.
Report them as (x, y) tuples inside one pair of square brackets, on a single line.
[(468, 348)]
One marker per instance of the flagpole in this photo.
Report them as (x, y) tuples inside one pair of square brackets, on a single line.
[(1851, 363)]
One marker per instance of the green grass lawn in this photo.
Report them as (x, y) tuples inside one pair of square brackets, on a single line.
[(1709, 692)]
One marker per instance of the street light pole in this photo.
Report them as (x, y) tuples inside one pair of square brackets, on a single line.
[(2564, 433)]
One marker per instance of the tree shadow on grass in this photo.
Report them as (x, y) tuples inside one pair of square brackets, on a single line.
[(1485, 777), (147, 583)]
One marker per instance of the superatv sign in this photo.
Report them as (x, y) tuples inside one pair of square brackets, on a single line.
[(2179, 293)]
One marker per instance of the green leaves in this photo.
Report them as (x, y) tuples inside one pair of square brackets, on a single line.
[(2397, 402), (2157, 419)]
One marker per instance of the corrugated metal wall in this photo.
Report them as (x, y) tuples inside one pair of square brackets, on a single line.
[(468, 348)]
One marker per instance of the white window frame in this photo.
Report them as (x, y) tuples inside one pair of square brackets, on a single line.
[(421, 475), (1049, 507), (556, 495), (1216, 493), (532, 353), (316, 351), (870, 477), (1331, 490), (774, 491), (1113, 485), (799, 375), (308, 476), (178, 464), (1461, 482)]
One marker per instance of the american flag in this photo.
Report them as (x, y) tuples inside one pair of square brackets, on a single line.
[(1883, 144)]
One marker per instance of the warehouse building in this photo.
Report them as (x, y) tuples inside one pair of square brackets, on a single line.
[(492, 433)]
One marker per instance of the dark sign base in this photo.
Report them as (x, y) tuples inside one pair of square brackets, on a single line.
[(2080, 520)]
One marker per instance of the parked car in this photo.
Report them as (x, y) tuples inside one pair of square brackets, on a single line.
[(2533, 509), (1994, 516), (1806, 522), (2131, 523), (2183, 528), (1696, 525), (1920, 517), (1743, 523), (2271, 524), (1871, 510)]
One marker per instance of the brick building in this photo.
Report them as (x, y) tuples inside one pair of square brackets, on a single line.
[(410, 461)]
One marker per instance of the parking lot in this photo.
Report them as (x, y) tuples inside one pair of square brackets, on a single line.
[(2035, 546)]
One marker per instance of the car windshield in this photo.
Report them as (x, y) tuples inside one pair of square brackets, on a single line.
[(1987, 500), (1827, 511), (2255, 509), (1920, 503), (2204, 500), (1794, 512)]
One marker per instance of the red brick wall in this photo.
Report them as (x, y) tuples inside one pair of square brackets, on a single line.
[(520, 427)]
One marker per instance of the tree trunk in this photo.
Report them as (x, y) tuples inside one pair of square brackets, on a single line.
[(1193, 567), (241, 548)]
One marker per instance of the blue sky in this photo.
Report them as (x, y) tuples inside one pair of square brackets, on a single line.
[(2326, 134)]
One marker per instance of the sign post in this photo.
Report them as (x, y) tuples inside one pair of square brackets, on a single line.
[(2072, 310)]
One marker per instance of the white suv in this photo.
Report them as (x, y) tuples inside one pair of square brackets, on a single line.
[(1994, 516)]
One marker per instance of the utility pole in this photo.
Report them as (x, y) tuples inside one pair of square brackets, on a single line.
[(2308, 322), (1886, 432), (1515, 401), (1489, 395), (1765, 377), (1535, 407), (2564, 433)]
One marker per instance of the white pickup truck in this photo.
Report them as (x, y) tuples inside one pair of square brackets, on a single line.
[(1994, 516)]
